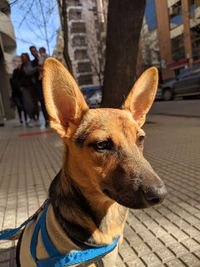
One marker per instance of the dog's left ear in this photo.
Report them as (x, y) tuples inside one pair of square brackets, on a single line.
[(64, 101), (142, 95)]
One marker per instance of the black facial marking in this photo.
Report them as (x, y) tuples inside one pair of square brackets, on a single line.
[(80, 139), (68, 201)]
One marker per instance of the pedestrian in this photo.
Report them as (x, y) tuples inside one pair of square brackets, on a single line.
[(38, 62), (42, 57), (17, 96), (27, 80)]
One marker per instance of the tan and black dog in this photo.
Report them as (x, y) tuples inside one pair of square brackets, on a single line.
[(104, 171)]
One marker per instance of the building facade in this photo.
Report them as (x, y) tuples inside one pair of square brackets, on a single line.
[(86, 33), (178, 26), (170, 36), (7, 51)]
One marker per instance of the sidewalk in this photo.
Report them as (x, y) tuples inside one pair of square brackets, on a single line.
[(167, 235), (182, 108)]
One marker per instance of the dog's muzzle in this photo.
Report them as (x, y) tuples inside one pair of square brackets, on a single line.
[(155, 194)]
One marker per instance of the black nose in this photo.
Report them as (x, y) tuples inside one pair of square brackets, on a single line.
[(155, 195)]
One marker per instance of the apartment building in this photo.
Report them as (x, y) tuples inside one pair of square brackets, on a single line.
[(178, 26), (7, 51), (170, 36), (86, 32)]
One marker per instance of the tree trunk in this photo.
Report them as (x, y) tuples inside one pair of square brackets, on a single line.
[(64, 23), (123, 33)]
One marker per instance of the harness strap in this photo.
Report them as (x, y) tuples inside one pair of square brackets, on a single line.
[(35, 239), (12, 232), (58, 260), (77, 257), (50, 248)]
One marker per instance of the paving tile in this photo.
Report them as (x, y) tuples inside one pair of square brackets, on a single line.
[(190, 260), (141, 249), (120, 262), (191, 244), (126, 252), (135, 263), (178, 249), (175, 263), (151, 260), (167, 239), (164, 254), (155, 244)]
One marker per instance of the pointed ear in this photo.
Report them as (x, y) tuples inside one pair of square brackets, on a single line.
[(142, 95), (64, 101)]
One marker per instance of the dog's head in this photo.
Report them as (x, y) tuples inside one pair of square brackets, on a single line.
[(104, 147)]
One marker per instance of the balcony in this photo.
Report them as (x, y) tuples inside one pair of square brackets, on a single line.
[(4, 7), (73, 3), (78, 27), (84, 67), (172, 2), (75, 14), (78, 41), (85, 79), (7, 33), (80, 54)]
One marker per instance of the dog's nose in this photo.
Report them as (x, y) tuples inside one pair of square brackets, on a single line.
[(155, 195)]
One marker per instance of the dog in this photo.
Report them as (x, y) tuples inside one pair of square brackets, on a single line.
[(104, 172)]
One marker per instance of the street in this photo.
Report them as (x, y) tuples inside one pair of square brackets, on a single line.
[(185, 108), (166, 235)]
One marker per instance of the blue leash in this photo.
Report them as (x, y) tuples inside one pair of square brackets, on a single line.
[(56, 259), (12, 232)]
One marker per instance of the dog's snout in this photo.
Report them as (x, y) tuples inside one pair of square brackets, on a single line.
[(155, 195)]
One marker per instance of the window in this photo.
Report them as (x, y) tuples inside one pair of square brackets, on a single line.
[(84, 67), (75, 14), (178, 51), (85, 79), (79, 41), (80, 54), (78, 27)]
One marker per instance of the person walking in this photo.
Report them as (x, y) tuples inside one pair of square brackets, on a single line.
[(16, 91), (29, 93), (38, 62), (42, 57)]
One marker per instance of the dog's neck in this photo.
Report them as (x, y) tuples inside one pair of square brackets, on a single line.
[(83, 218)]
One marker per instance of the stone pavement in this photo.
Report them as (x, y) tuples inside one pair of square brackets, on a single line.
[(186, 108), (166, 235)]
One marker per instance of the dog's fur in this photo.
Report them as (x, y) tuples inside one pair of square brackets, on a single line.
[(104, 171)]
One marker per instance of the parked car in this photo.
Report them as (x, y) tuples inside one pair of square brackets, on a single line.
[(186, 84), (159, 94), (92, 95), (95, 99)]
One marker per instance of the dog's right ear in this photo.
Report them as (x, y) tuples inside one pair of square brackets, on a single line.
[(64, 101)]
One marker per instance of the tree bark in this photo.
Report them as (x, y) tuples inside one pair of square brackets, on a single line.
[(64, 23), (123, 33)]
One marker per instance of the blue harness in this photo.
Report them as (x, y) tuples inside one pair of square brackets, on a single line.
[(56, 259)]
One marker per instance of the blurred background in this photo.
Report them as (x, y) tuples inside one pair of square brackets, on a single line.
[(74, 32)]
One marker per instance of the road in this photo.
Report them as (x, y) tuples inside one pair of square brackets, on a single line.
[(186, 108)]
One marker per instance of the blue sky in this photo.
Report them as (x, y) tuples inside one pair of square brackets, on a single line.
[(150, 14), (27, 20)]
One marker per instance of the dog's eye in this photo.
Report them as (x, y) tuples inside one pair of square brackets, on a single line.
[(102, 145), (141, 139)]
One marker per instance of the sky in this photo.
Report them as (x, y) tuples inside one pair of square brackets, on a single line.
[(28, 23), (150, 14)]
